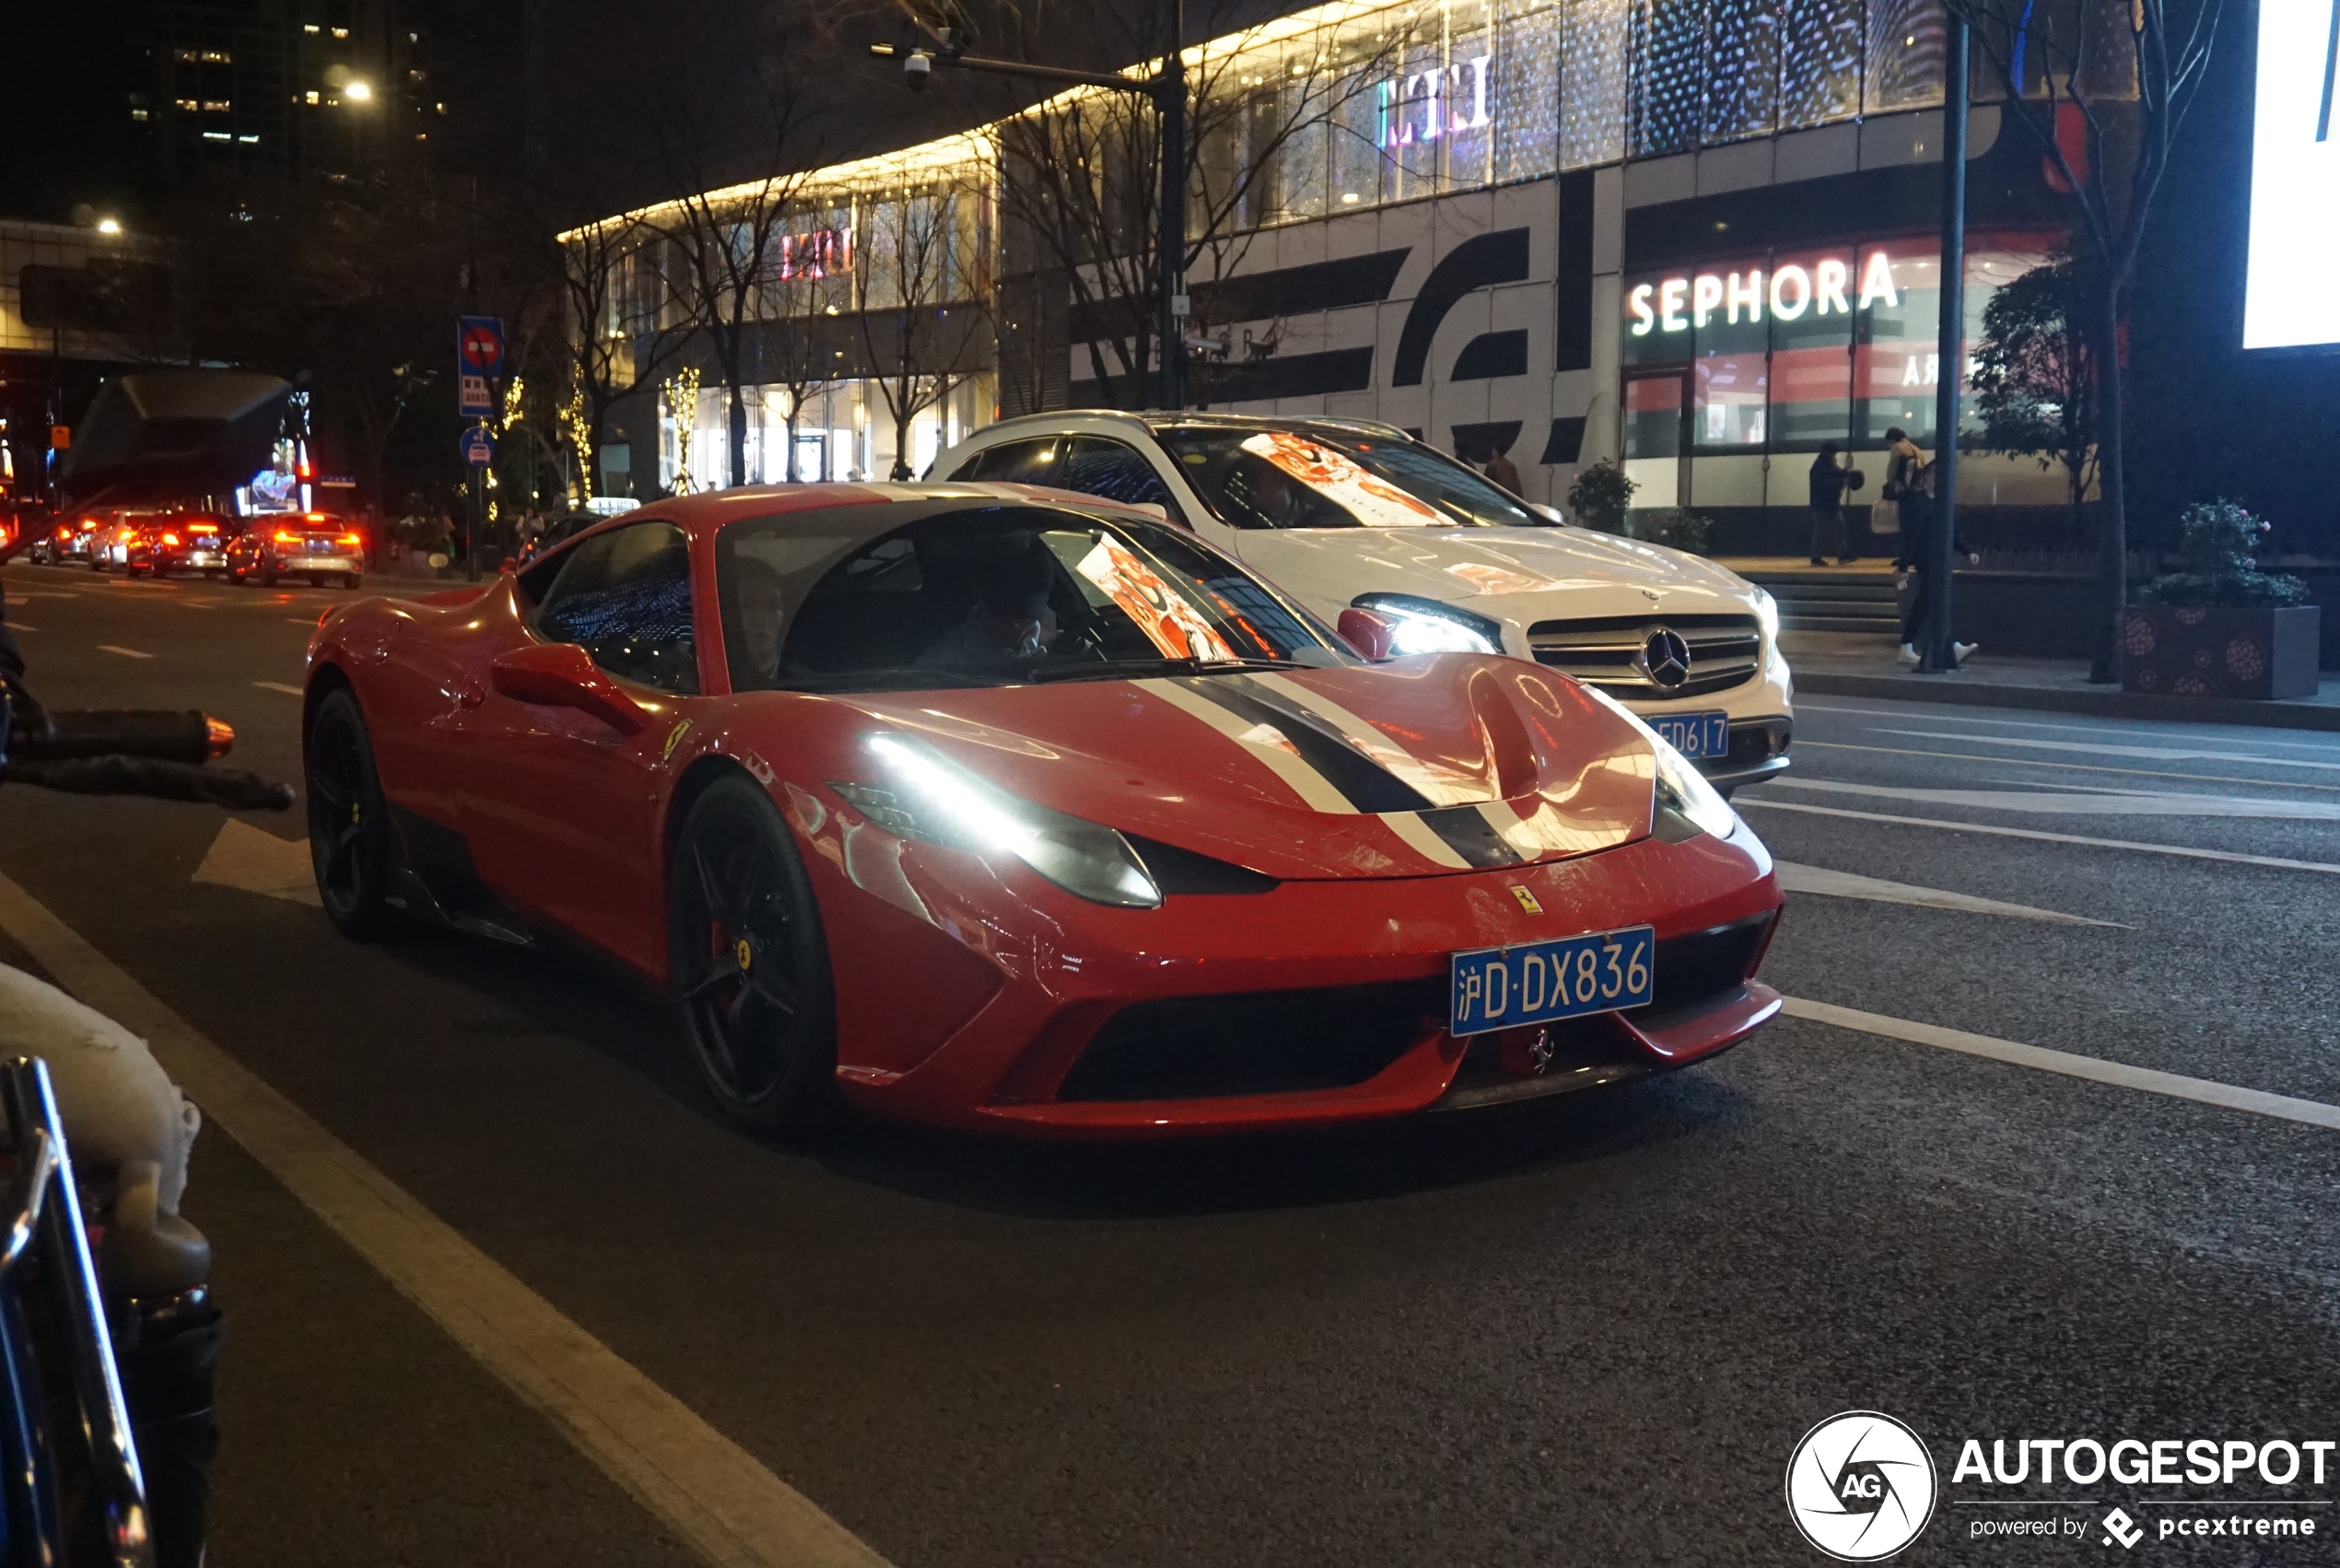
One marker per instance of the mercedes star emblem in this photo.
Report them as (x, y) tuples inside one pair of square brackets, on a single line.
[(1665, 658)]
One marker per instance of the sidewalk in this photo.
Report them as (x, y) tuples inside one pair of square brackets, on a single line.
[(1827, 664)]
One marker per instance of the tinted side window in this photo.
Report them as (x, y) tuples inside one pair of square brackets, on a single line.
[(1096, 466), (624, 597), (1015, 462)]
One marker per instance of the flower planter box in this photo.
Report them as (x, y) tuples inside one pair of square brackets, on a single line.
[(2198, 650)]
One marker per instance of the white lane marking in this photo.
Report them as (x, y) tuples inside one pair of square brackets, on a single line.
[(2184, 852), (2095, 1069), (1794, 878), (2107, 727), (1261, 741), (21, 626), (300, 621), (2152, 753), (2077, 767), (279, 686), (125, 652), (703, 1486), (252, 859), (2039, 799)]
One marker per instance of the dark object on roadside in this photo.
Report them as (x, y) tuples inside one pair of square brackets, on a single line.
[(159, 435), (71, 1476), (160, 755), (231, 788), (159, 735)]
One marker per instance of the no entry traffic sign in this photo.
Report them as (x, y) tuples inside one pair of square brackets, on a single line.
[(479, 447), (479, 359)]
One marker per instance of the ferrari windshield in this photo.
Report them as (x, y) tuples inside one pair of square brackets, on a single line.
[(1313, 477), (834, 600)]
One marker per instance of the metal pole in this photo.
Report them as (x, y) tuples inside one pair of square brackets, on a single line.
[(1170, 99), (471, 515), (1937, 655)]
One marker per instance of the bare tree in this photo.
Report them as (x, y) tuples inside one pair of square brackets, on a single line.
[(2103, 88), (615, 336), (920, 274), (1080, 172)]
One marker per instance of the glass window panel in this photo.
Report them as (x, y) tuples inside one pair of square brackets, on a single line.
[(1653, 439), (1906, 40), (1732, 392), (1669, 36), (1355, 131), (1811, 352), (1469, 119), (1896, 363), (1820, 61), (1414, 119), (1523, 92), (1300, 162), (1742, 70), (1592, 52)]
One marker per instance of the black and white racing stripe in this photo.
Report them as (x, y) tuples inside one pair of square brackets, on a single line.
[(1336, 774)]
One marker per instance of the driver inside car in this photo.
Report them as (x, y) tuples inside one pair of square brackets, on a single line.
[(1011, 619)]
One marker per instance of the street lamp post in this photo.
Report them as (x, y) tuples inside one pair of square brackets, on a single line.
[(1939, 655), (1168, 88)]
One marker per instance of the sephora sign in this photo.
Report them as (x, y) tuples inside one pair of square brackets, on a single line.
[(1788, 292), (2288, 298)]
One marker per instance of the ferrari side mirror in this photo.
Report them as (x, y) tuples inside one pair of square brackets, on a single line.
[(561, 675), (1369, 634)]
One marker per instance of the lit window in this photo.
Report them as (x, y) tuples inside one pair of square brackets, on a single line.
[(414, 38), (442, 108), (312, 95), (310, 27), (138, 114), (413, 75), (341, 32), (216, 106), (249, 141), (218, 57), (186, 105), (216, 136), (422, 136)]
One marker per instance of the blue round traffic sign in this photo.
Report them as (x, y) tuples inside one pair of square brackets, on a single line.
[(479, 447)]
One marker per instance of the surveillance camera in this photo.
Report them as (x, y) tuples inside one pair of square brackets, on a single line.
[(917, 66)]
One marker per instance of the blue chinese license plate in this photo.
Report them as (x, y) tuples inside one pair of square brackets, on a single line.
[(1501, 988), (1695, 734)]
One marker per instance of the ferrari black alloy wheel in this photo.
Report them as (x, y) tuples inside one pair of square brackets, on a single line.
[(745, 952), (348, 826)]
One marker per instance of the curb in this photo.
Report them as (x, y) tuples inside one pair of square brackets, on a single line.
[(2048, 699)]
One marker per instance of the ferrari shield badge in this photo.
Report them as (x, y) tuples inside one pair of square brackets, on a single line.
[(1526, 900)]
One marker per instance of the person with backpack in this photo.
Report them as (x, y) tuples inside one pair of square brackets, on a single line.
[(1909, 484)]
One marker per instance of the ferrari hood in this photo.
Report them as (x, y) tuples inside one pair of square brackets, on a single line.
[(1524, 574), (1437, 764)]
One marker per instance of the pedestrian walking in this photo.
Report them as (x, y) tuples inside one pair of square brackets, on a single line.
[(1909, 484), (1830, 479), (1500, 468)]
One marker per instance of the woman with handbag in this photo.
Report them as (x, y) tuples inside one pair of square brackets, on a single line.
[(1908, 484), (1830, 479)]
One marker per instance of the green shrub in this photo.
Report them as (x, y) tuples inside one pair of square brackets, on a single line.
[(1678, 528), (1599, 496), (2221, 542)]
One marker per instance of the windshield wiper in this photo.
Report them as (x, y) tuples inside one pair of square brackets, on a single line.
[(895, 677), (1120, 668)]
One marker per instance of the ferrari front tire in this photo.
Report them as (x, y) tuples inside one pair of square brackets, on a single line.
[(349, 843), (749, 964)]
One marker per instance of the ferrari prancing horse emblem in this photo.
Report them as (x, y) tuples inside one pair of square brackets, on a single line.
[(1527, 900)]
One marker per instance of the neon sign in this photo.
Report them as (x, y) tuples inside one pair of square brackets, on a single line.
[(1678, 304), (825, 253), (1399, 129)]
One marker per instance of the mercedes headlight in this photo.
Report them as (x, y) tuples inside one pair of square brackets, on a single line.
[(920, 793), (1681, 789), (1767, 612), (1426, 626)]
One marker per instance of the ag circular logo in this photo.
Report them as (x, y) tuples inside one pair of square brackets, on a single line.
[(1860, 1486)]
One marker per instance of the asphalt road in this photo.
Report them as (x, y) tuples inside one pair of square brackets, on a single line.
[(1590, 1329)]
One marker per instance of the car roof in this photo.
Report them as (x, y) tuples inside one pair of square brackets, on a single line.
[(1154, 419)]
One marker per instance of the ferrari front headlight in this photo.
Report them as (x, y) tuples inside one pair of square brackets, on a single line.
[(920, 793), (1681, 789)]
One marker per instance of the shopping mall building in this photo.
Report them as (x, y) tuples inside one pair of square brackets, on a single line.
[(1702, 236)]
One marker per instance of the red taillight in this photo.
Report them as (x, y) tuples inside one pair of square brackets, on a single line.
[(286, 536), (351, 540), (205, 528), (170, 539)]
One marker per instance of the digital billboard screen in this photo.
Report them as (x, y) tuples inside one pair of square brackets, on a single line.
[(2288, 300)]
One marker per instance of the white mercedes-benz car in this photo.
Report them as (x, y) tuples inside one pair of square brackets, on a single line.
[(1349, 514)]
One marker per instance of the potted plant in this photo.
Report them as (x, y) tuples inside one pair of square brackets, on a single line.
[(2223, 628), (1599, 496)]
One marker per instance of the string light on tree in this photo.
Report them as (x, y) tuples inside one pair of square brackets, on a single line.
[(678, 399)]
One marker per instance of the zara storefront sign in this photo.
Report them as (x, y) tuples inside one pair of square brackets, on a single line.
[(825, 253), (1824, 289), (1434, 103)]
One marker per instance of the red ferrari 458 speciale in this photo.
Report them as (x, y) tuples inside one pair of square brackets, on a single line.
[(1001, 808)]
